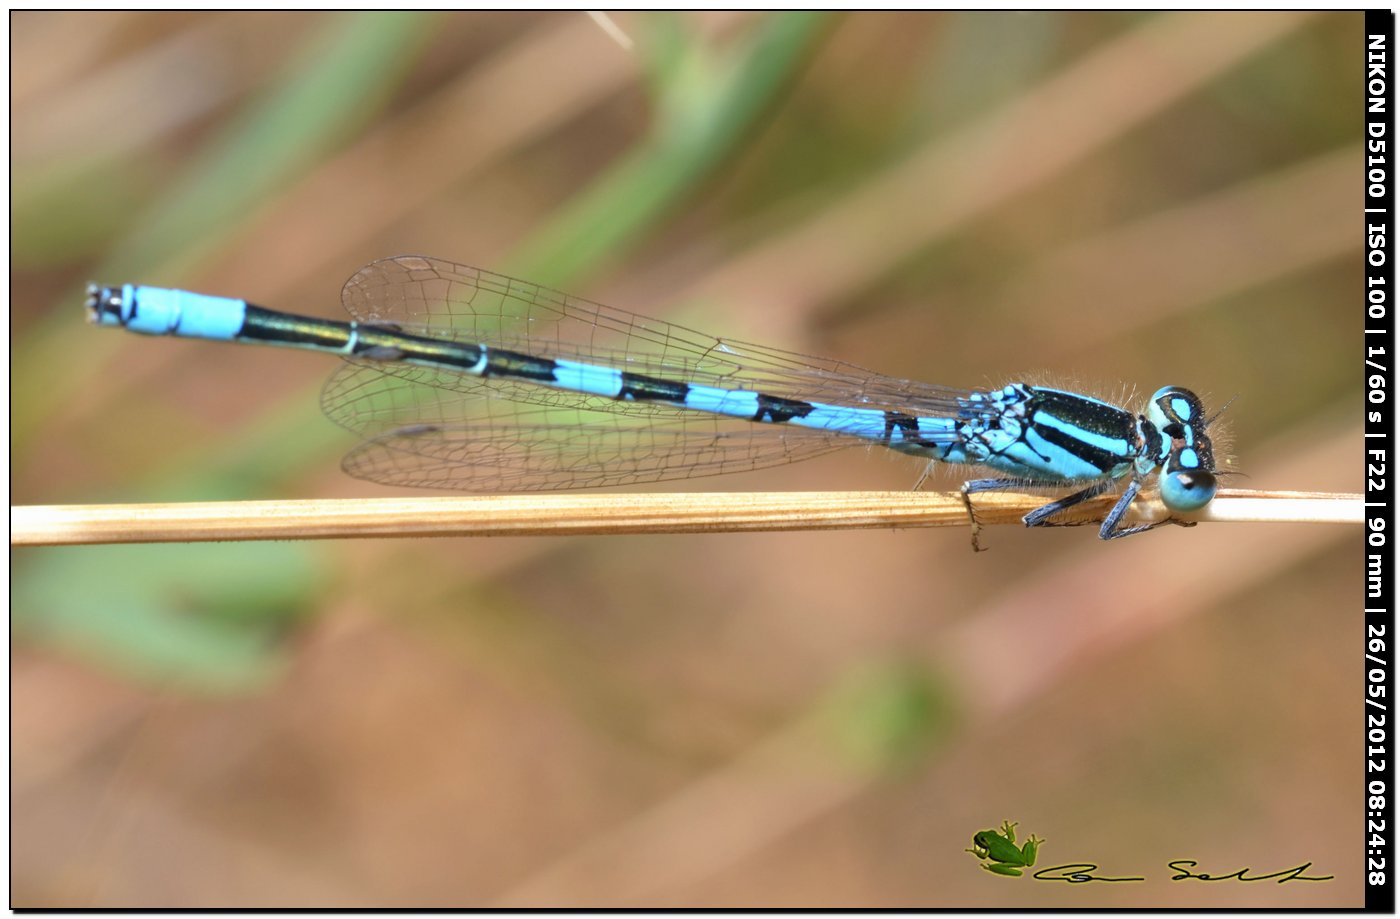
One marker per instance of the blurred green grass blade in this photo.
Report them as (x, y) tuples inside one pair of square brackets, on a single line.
[(667, 49), (71, 212), (345, 74), (706, 104), (630, 199), (201, 617), (208, 618), (140, 620)]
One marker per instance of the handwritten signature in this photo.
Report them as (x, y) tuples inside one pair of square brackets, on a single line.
[(1082, 873)]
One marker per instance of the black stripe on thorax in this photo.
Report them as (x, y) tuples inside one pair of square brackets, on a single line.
[(1091, 415), (1088, 415), (1101, 459)]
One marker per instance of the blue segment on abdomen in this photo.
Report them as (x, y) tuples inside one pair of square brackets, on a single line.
[(857, 422), (866, 423), (736, 403), (588, 378), (158, 311)]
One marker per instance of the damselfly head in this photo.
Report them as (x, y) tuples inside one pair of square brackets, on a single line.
[(1187, 481)]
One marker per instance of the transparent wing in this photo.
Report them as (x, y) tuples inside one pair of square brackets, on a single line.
[(443, 299), (426, 437)]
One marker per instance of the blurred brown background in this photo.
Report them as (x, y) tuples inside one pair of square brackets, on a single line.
[(731, 720)]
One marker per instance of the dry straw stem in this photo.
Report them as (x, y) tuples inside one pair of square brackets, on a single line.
[(559, 515)]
